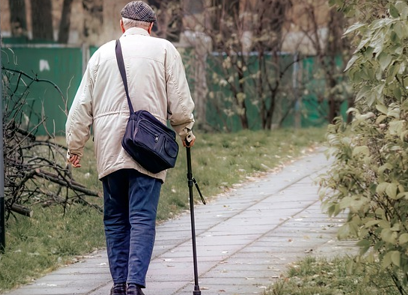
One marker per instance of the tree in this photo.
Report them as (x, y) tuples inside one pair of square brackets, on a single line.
[(18, 19), (169, 18), (93, 19), (241, 27), (193, 22), (271, 14), (331, 51), (42, 23), (42, 20), (65, 23), (369, 175)]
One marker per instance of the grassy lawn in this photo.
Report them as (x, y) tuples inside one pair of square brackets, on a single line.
[(37, 245)]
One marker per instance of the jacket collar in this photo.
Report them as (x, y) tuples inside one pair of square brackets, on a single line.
[(135, 31)]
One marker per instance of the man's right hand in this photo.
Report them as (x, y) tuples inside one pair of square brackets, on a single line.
[(189, 140), (75, 160)]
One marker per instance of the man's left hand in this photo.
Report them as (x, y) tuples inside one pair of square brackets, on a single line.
[(75, 160)]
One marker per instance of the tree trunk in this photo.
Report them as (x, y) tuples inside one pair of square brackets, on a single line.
[(169, 19), (18, 20), (335, 44), (42, 20), (63, 34), (260, 87), (334, 105), (93, 19), (194, 25), (271, 18), (243, 110), (243, 118)]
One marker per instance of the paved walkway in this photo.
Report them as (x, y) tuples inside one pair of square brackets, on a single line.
[(246, 239)]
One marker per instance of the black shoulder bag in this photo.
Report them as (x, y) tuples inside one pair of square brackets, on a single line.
[(147, 140)]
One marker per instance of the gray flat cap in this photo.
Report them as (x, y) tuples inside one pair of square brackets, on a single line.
[(138, 10)]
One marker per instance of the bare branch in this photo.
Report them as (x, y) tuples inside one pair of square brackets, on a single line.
[(35, 170)]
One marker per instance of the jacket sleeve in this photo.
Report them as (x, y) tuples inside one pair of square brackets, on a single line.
[(80, 116), (180, 104)]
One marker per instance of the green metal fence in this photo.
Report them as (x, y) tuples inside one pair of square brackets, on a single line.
[(299, 100), (64, 67)]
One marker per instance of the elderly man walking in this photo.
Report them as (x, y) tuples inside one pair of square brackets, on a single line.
[(157, 83)]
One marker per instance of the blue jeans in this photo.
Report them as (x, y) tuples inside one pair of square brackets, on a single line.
[(130, 206)]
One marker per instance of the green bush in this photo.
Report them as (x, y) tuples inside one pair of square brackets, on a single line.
[(369, 177)]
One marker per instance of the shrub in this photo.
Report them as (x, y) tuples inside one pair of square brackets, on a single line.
[(369, 177)]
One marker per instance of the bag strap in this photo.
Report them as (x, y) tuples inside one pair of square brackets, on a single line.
[(121, 65)]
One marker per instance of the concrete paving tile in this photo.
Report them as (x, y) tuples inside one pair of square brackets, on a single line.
[(240, 267), (238, 290), (255, 256), (159, 288), (77, 276), (242, 230), (47, 291), (230, 286), (218, 281), (102, 290), (273, 262), (181, 232), (296, 248), (276, 236), (268, 205), (214, 240), (272, 214), (83, 269), (189, 260), (240, 274)]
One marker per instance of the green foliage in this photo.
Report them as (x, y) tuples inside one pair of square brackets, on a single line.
[(339, 276), (364, 10), (369, 177)]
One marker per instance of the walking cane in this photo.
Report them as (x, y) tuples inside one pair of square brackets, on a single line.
[(191, 180)]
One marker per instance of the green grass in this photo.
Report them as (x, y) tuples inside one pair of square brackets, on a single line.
[(49, 239), (342, 275), (37, 245)]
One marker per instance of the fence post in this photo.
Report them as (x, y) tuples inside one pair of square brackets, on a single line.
[(298, 97), (2, 207)]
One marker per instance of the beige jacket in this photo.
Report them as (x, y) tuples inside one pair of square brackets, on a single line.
[(157, 83)]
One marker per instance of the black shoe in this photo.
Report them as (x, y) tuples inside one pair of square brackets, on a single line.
[(134, 290), (118, 289)]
